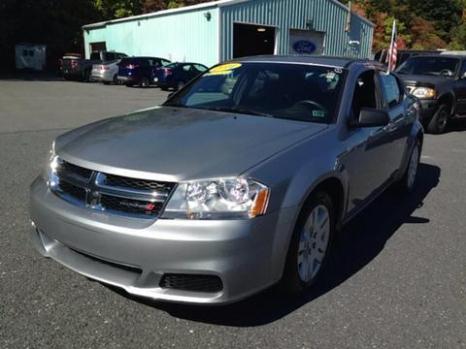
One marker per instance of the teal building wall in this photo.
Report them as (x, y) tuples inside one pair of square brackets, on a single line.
[(204, 33)]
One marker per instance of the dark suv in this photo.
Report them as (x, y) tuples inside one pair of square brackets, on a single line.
[(139, 70), (440, 84)]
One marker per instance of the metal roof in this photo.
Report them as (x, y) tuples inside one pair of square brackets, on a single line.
[(202, 6)]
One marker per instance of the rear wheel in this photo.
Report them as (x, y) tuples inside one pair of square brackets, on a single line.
[(439, 122), (310, 245), (145, 82)]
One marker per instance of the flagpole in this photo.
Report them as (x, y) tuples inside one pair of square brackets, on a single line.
[(390, 51)]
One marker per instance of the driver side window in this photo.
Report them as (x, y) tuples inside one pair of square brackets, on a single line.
[(463, 70), (365, 95)]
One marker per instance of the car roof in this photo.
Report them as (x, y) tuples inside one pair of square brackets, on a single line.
[(337, 62), (144, 57), (181, 63)]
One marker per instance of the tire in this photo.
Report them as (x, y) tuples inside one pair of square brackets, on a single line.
[(145, 82), (408, 181), (87, 76), (115, 79), (438, 123), (310, 248)]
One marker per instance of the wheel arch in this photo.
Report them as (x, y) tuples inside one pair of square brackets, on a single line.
[(448, 99), (336, 189)]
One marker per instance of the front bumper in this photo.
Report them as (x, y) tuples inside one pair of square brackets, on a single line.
[(428, 109), (135, 254), (128, 79)]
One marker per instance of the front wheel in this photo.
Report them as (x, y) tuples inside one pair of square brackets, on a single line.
[(145, 82), (439, 122), (310, 245)]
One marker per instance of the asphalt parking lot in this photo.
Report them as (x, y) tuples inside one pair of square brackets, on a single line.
[(397, 278)]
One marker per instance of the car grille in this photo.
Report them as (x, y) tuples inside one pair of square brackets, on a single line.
[(193, 283), (114, 194)]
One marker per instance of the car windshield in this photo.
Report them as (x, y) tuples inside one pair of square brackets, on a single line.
[(291, 91), (435, 66)]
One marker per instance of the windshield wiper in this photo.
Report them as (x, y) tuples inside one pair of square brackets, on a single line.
[(242, 111)]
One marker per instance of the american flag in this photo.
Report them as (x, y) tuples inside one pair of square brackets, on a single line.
[(392, 56)]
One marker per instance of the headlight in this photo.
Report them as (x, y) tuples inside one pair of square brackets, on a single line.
[(424, 92), (219, 198), (51, 168)]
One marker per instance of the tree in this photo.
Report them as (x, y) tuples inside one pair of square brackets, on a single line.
[(111, 9)]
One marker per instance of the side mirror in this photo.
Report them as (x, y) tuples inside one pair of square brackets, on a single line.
[(369, 117)]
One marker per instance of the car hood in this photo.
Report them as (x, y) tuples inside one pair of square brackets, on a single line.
[(423, 80), (177, 144)]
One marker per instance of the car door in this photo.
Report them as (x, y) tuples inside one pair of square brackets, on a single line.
[(460, 90), (397, 131), (365, 156)]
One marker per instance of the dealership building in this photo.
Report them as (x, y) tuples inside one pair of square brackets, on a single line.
[(216, 31)]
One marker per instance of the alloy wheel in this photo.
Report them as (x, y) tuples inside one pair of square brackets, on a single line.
[(313, 243)]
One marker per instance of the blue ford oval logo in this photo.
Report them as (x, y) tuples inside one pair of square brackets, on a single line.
[(304, 46)]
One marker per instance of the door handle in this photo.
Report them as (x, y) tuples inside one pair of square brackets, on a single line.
[(391, 127)]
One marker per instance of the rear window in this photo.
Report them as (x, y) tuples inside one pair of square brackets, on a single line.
[(127, 61)]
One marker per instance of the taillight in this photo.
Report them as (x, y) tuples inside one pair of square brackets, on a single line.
[(104, 67), (74, 63), (167, 71), (132, 66)]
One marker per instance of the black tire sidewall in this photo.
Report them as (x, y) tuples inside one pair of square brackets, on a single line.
[(291, 282), (433, 126)]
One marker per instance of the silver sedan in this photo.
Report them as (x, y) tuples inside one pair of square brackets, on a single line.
[(106, 72), (240, 181)]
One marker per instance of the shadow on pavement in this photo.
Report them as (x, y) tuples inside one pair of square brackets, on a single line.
[(360, 242)]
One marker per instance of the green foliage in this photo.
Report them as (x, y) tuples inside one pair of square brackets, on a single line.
[(459, 38), (118, 8), (426, 24)]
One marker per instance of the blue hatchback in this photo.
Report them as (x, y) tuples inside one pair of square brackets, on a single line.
[(176, 75), (139, 70)]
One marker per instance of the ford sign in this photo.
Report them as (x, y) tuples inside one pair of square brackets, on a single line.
[(304, 47)]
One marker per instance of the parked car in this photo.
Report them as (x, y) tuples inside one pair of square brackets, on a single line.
[(176, 75), (80, 69), (106, 72), (440, 84), (239, 181), (139, 70), (403, 55), (68, 59)]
